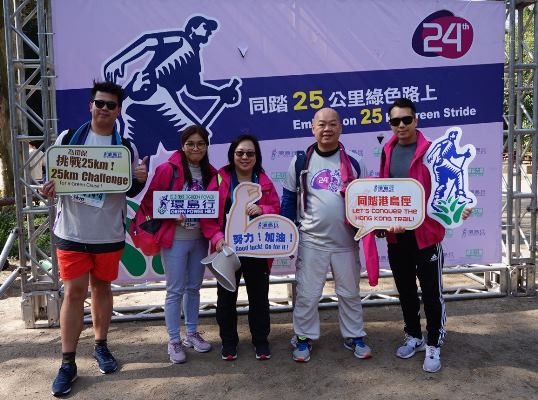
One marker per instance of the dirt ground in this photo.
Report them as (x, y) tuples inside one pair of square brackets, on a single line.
[(491, 352)]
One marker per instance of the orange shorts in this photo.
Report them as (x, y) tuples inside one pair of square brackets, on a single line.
[(103, 266)]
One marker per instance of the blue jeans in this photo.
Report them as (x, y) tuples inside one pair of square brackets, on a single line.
[(184, 275)]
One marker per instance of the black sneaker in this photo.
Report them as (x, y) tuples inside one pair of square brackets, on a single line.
[(105, 359), (263, 352), (64, 380), (229, 352)]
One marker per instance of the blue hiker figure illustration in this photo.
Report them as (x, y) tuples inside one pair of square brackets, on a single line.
[(172, 65), (445, 158)]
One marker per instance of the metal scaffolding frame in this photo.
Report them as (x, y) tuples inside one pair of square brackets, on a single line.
[(521, 143), (30, 67)]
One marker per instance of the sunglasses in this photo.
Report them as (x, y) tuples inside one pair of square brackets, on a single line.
[(406, 120), (111, 105), (249, 154)]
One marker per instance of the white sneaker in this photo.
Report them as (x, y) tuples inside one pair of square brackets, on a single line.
[(410, 347), (432, 361)]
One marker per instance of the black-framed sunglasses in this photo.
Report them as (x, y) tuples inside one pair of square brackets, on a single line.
[(249, 154), (406, 120), (111, 105)]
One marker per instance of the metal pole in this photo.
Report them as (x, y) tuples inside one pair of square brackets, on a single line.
[(510, 139)]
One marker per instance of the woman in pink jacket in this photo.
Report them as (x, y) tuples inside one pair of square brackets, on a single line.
[(245, 165), (181, 240)]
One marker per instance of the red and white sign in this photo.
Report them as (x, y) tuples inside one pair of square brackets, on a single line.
[(381, 203)]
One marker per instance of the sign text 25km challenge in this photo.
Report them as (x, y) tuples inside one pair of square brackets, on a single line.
[(89, 169)]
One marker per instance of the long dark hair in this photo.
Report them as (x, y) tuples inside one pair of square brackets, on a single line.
[(231, 152), (204, 162)]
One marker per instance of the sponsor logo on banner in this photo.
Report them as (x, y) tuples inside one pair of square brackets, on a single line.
[(479, 192), (278, 176), (277, 154), (475, 253), (477, 171), (442, 34), (448, 163), (163, 94), (477, 212), (473, 233)]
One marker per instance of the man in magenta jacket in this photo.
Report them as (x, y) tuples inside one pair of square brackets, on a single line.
[(415, 253)]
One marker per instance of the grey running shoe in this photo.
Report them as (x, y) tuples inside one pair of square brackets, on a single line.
[(432, 361), (196, 341), (177, 352), (359, 348), (303, 346), (410, 347)]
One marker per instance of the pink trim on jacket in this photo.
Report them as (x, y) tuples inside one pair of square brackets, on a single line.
[(430, 231), (213, 228), (161, 181)]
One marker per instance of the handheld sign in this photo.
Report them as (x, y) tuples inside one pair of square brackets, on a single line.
[(265, 236), (89, 169), (192, 204), (448, 164), (382, 203)]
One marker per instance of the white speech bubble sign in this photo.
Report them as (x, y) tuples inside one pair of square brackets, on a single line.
[(266, 236), (381, 203)]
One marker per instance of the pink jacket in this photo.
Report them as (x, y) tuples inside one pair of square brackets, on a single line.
[(212, 228), (430, 231), (161, 181)]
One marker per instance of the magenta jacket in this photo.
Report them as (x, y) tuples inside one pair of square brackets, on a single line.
[(161, 181), (430, 231), (213, 228)]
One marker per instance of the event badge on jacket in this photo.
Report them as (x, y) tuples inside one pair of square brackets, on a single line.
[(381, 203), (265, 236), (448, 164)]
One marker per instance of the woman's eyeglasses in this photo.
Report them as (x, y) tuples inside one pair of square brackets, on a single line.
[(192, 145), (249, 154)]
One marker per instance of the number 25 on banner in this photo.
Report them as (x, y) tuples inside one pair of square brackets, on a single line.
[(382, 203)]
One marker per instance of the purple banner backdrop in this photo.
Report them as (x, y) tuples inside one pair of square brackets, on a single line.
[(267, 66)]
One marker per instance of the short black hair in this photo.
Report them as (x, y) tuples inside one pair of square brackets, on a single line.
[(231, 152), (108, 87), (403, 102)]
